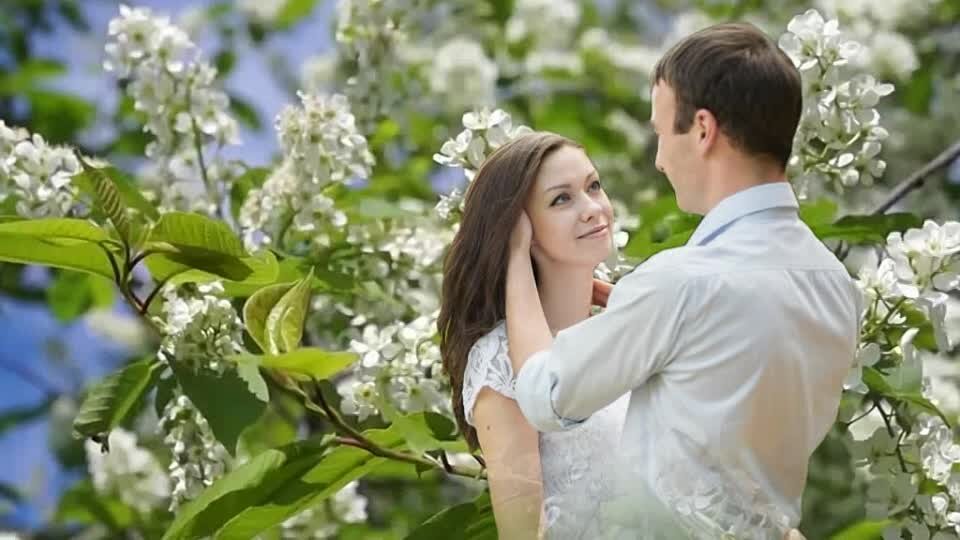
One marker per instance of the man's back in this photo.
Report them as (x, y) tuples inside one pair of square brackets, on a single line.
[(723, 432)]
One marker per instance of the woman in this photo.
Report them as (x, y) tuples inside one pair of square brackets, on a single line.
[(551, 179)]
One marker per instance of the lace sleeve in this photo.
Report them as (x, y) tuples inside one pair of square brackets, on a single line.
[(487, 365)]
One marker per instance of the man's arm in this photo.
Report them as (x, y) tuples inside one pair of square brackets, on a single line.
[(562, 381)]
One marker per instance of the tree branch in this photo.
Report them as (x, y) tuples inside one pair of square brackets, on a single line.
[(918, 177)]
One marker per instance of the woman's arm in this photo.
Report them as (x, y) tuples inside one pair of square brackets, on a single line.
[(511, 451)]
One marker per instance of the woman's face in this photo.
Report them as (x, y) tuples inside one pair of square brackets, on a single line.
[(571, 215)]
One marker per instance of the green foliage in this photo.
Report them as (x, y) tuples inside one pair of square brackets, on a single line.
[(114, 399), (275, 485), (872, 229), (470, 521), (274, 315), (302, 363), (226, 401)]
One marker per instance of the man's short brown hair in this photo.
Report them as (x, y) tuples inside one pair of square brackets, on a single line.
[(741, 76)]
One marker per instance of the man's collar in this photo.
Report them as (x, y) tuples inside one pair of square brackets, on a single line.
[(742, 203)]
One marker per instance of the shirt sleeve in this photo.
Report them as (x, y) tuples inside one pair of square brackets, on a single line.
[(592, 363)]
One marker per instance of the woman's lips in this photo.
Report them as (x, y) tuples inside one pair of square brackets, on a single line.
[(596, 232)]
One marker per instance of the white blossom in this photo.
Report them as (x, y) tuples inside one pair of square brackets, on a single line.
[(184, 110), (36, 177), (464, 75), (839, 136), (198, 459), (548, 24), (200, 328), (322, 140), (128, 471), (485, 131), (322, 521), (263, 11)]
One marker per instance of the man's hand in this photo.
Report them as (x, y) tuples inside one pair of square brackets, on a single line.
[(601, 292), (522, 235)]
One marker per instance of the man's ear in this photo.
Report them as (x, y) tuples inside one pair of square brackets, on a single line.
[(705, 123)]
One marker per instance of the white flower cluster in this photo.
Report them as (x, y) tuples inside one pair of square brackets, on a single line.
[(371, 38), (546, 23), (322, 140), (262, 11), (321, 147), (839, 136), (127, 471), (484, 132), (200, 327), (175, 90), (638, 59), (198, 458), (548, 26), (323, 521), (37, 177), (464, 75), (920, 267), (897, 463), (400, 363)]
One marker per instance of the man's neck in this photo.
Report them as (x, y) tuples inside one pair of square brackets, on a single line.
[(565, 293), (735, 176)]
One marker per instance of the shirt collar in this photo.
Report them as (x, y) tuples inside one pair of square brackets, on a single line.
[(742, 203)]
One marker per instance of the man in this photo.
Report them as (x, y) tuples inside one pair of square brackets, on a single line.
[(733, 347)]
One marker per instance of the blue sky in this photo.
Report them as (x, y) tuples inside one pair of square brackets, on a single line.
[(28, 333)]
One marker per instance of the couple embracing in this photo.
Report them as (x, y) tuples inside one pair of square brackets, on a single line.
[(690, 405)]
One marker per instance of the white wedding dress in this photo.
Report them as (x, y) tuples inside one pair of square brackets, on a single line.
[(574, 463)]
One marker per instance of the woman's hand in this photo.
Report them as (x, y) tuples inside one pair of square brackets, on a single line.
[(522, 235), (601, 292)]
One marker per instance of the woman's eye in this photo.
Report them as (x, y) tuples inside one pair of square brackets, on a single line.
[(595, 185), (559, 199)]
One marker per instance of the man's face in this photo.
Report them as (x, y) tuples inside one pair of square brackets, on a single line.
[(677, 155)]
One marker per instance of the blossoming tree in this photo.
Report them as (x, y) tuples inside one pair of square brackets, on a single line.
[(293, 363)]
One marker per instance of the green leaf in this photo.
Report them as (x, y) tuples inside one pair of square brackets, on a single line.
[(69, 296), (641, 247), (82, 504), (196, 233), (336, 469), (225, 401), (249, 371), (125, 185), (864, 530), (16, 416), (818, 212), (28, 75), (305, 362), (224, 62), (257, 309), (866, 229), (917, 399), (245, 112), (177, 261), (50, 228), (424, 431), (286, 318), (293, 12), (878, 384), (470, 521), (165, 390), (275, 485), (108, 199), (85, 257), (263, 266), (115, 398)]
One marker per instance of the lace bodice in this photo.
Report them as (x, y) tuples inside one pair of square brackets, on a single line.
[(572, 462)]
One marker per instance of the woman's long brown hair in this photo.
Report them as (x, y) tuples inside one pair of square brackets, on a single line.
[(473, 298)]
